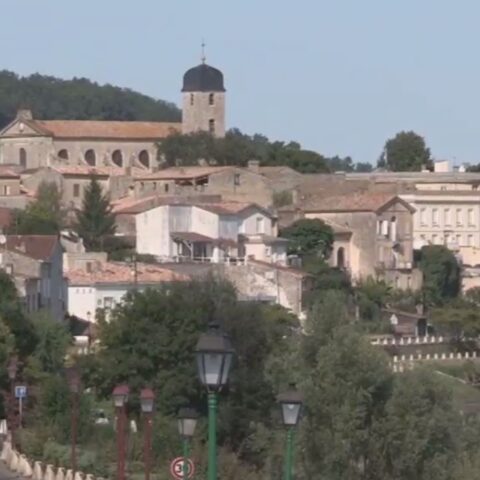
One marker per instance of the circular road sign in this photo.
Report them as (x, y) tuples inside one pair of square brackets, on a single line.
[(176, 468)]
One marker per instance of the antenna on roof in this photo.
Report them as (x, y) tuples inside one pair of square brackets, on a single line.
[(204, 58)]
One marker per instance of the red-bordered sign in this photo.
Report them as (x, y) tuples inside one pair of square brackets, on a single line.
[(176, 468)]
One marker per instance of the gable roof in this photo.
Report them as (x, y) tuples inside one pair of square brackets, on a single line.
[(7, 172), (105, 129), (355, 202), (121, 273), (39, 247)]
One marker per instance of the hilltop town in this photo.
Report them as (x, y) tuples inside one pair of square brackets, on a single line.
[(120, 231)]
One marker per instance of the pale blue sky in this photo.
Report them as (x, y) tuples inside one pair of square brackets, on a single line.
[(339, 76)]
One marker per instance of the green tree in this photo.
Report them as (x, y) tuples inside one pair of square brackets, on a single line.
[(53, 340), (309, 237), (95, 221), (406, 152), (363, 167), (347, 385), (45, 216), (422, 431), (441, 274), (14, 318), (237, 149), (459, 318)]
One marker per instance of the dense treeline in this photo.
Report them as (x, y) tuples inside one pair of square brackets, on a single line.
[(238, 148), (79, 98)]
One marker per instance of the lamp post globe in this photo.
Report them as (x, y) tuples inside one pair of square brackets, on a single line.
[(214, 355), (291, 403), (187, 421), (147, 400), (120, 395)]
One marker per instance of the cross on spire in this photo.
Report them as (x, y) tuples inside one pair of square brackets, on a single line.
[(204, 58)]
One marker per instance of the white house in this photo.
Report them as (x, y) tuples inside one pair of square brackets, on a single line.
[(107, 283), (212, 232)]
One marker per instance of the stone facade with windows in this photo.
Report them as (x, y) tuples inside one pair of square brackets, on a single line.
[(373, 236)]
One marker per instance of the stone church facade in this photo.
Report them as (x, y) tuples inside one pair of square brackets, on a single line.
[(30, 143)]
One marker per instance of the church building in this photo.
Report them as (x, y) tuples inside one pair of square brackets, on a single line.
[(33, 143)]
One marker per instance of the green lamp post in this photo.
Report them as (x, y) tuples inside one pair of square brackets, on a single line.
[(214, 354), (291, 403), (187, 421)]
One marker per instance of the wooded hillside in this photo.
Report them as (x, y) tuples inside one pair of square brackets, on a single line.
[(81, 99)]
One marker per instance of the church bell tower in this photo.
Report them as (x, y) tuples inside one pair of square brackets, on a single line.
[(203, 106)]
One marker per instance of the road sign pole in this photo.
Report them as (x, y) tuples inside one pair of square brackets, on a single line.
[(20, 411)]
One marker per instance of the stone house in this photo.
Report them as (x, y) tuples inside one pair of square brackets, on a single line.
[(32, 143), (73, 180), (373, 235), (11, 191), (209, 232), (35, 262), (232, 183), (99, 284)]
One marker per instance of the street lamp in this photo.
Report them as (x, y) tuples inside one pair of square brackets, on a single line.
[(12, 369), (291, 403), (214, 354), (147, 399), (120, 399), (74, 385), (187, 421)]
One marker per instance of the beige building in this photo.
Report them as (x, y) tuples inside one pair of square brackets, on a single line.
[(373, 236), (32, 143), (73, 180), (232, 183)]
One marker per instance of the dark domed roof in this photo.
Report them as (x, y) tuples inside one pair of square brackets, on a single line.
[(203, 78)]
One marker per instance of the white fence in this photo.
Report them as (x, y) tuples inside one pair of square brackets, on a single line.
[(427, 340), (37, 470), (402, 362)]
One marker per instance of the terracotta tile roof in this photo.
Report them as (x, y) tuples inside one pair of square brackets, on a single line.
[(85, 170), (5, 217), (121, 273), (355, 202), (108, 129), (183, 173), (39, 247), (7, 172), (131, 205)]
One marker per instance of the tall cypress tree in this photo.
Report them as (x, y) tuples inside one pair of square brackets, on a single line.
[(95, 221)]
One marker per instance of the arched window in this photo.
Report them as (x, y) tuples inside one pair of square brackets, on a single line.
[(341, 257), (90, 157), (23, 157), (117, 158), (192, 99), (144, 158), (211, 99), (63, 154), (393, 229), (211, 126)]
